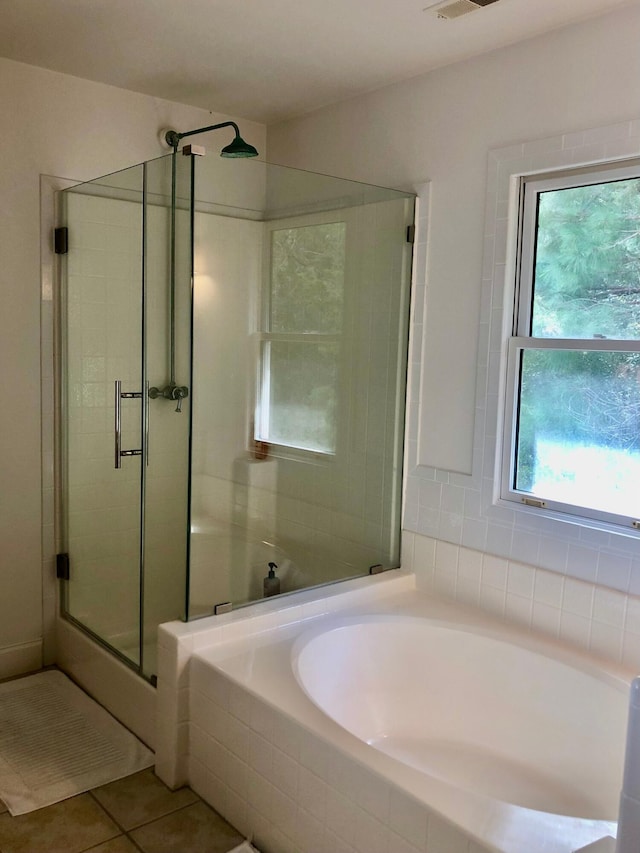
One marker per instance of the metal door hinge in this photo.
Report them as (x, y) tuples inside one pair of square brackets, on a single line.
[(62, 567), (61, 241), (411, 233)]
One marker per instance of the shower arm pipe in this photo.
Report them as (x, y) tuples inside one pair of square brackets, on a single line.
[(172, 271), (237, 148), (172, 391), (172, 137)]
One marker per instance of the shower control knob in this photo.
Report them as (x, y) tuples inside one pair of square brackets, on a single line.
[(170, 392), (179, 393)]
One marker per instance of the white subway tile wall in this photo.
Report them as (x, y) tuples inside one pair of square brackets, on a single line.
[(603, 621), (459, 508)]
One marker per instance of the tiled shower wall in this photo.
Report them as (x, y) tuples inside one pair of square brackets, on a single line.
[(458, 508)]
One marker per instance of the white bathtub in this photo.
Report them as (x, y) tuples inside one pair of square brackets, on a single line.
[(403, 723), (480, 713)]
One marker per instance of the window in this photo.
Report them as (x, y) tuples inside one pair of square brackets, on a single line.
[(301, 338), (572, 427)]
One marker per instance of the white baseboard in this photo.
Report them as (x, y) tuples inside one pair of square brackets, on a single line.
[(17, 660)]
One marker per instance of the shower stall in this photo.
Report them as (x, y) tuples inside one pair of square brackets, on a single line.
[(233, 347)]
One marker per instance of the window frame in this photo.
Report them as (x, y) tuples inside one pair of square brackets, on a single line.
[(266, 336), (521, 340)]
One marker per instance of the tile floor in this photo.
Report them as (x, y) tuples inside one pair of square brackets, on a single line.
[(138, 813)]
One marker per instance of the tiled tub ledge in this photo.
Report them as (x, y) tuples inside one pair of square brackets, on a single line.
[(236, 725)]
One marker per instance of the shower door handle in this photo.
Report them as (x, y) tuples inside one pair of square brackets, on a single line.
[(119, 397)]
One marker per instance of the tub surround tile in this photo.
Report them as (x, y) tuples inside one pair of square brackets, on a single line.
[(313, 755), (494, 570), (284, 772), (578, 598), (518, 610), (373, 795), (371, 834), (340, 816), (548, 588), (397, 844), (408, 818), (260, 754), (603, 621), (284, 812), (259, 794), (575, 630), (335, 844), (545, 619), (308, 833), (609, 607), (445, 838)]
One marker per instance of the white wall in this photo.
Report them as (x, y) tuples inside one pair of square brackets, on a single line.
[(53, 124), (458, 127)]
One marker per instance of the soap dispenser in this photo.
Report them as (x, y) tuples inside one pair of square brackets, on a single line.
[(271, 584)]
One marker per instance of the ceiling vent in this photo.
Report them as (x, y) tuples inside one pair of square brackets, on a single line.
[(461, 7)]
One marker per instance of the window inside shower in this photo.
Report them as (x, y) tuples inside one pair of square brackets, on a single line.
[(280, 305), (303, 298)]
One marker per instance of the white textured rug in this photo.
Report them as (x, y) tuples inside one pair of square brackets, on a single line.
[(55, 742)]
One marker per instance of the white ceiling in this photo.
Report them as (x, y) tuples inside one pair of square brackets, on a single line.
[(265, 60)]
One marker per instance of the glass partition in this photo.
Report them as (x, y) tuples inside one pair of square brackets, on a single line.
[(234, 339), (301, 288)]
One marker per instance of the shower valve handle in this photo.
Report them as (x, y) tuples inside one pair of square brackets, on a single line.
[(170, 392), (181, 392)]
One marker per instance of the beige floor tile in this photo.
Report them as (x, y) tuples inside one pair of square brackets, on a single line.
[(141, 798), (194, 829), (67, 827), (121, 844)]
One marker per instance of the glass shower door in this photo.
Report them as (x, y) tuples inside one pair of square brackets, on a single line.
[(125, 313), (102, 408)]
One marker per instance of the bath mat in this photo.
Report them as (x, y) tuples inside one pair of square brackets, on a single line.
[(56, 742)]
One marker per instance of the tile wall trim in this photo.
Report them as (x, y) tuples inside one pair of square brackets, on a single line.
[(459, 508)]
